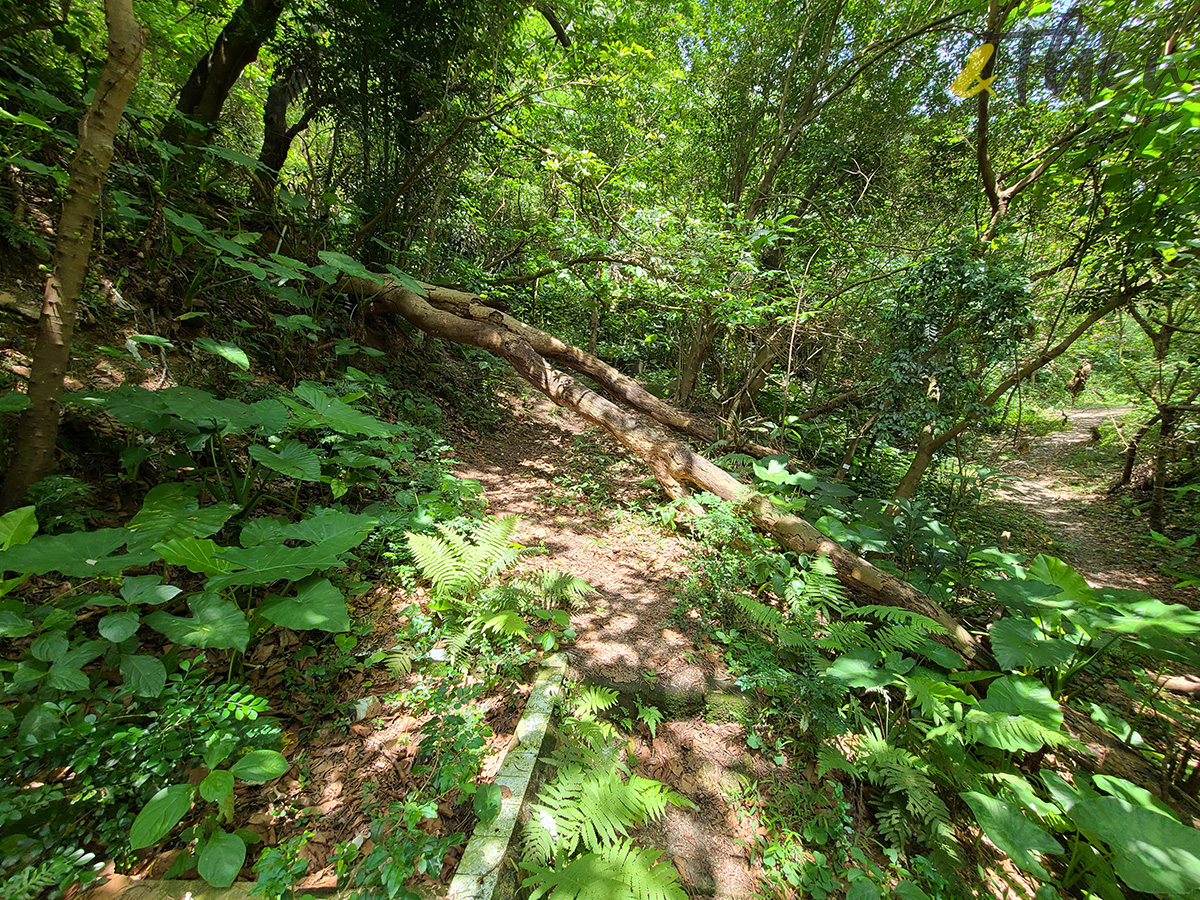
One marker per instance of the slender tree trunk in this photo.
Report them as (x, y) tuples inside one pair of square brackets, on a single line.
[(1131, 452), (37, 433), (277, 136), (214, 75), (695, 355), (928, 444), (1166, 430)]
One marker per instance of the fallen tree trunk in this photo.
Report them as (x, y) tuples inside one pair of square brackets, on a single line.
[(620, 386), (461, 318)]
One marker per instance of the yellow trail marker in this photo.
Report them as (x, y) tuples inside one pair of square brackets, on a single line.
[(965, 84)]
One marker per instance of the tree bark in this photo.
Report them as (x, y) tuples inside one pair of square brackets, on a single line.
[(697, 353), (1131, 452), (1166, 430), (277, 136), (673, 464), (214, 75), (37, 433)]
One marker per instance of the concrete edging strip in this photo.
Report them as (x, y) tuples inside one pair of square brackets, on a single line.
[(479, 869)]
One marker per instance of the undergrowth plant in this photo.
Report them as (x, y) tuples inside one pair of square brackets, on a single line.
[(483, 602), (925, 738), (576, 843)]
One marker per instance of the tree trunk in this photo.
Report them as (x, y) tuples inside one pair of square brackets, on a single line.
[(928, 444), (1131, 452), (37, 433), (277, 136), (694, 357), (673, 464), (214, 75), (1166, 430)]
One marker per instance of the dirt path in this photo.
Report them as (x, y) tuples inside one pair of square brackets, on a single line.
[(1096, 540), (574, 490)]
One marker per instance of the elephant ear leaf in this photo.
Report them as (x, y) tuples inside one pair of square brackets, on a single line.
[(215, 624), (1151, 852), (1012, 832)]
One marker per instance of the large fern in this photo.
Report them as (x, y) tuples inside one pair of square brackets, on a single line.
[(617, 871), (458, 566), (576, 843), (466, 572)]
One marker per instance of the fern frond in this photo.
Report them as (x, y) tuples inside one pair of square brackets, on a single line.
[(563, 587), (899, 637), (830, 758), (592, 733), (593, 700), (896, 614), (619, 872), (763, 617), (844, 635), (399, 660), (438, 561)]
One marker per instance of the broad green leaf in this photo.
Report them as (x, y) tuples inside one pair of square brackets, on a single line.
[(214, 624), (221, 858), (292, 459), (83, 653), (13, 622), (160, 815), (774, 470), (145, 675), (147, 589), (81, 554), (347, 265), (49, 647), (407, 281), (118, 626), (1131, 793), (1066, 794), (13, 401), (317, 605), (65, 677), (198, 555), (266, 564), (1012, 833), (1019, 643), (862, 889), (226, 350), (216, 785), (339, 416), (172, 511), (1151, 853), (18, 527), (1023, 596), (334, 530), (858, 668), (259, 766), (999, 719), (1052, 571)]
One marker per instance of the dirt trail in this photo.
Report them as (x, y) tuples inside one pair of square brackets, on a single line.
[(569, 484), (1096, 542)]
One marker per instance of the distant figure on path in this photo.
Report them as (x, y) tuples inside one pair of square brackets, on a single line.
[(1076, 385)]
